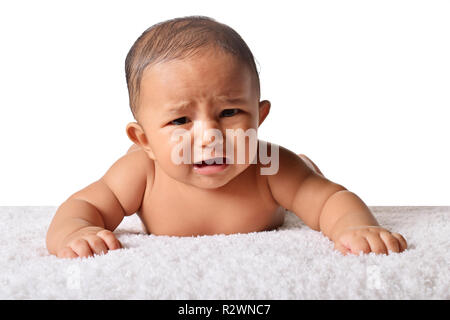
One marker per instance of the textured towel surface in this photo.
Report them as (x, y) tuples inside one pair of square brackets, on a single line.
[(292, 262)]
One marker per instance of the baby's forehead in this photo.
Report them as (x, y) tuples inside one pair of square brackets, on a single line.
[(209, 76), (189, 72), (204, 56)]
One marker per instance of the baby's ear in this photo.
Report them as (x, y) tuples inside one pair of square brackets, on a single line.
[(137, 135), (264, 108)]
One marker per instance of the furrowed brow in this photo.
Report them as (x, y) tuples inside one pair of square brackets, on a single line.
[(232, 99), (178, 108), (183, 106)]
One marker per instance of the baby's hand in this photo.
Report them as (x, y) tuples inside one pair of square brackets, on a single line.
[(369, 239), (87, 242)]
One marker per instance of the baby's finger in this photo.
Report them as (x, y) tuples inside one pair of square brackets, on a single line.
[(401, 240), (110, 239), (81, 248), (97, 244), (66, 253), (376, 243), (341, 248), (391, 242), (359, 244)]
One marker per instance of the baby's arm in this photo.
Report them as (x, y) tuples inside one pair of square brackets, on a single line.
[(83, 224), (329, 207)]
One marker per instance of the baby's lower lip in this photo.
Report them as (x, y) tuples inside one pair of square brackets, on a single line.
[(210, 169)]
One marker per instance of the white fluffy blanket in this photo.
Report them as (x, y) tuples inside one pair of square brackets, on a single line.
[(293, 262)]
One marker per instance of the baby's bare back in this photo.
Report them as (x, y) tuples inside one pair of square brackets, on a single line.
[(243, 205)]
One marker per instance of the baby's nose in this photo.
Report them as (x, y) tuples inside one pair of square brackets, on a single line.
[(207, 132)]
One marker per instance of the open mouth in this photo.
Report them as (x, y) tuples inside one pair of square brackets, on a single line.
[(210, 166), (211, 162)]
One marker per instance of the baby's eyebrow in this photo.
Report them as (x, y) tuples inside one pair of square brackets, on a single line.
[(182, 106), (179, 107), (231, 99)]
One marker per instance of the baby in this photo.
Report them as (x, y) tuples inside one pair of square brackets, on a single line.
[(195, 95)]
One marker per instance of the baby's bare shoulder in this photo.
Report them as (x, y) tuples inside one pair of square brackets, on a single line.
[(286, 159), (291, 172), (129, 177), (289, 162), (140, 157), (134, 163)]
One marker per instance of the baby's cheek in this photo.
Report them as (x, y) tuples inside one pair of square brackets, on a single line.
[(244, 144), (178, 153)]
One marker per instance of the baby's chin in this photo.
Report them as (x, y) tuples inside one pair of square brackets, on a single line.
[(208, 184), (214, 181)]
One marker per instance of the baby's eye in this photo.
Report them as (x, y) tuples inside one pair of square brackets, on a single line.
[(179, 121), (229, 112)]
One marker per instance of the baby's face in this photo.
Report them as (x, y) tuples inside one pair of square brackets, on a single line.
[(210, 91)]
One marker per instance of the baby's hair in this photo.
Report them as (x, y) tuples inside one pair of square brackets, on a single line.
[(181, 38)]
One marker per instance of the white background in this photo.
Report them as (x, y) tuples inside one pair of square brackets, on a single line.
[(361, 87)]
